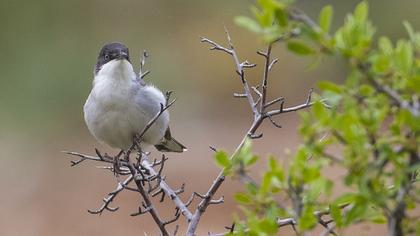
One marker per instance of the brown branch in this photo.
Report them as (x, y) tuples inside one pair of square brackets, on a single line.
[(239, 66), (168, 191), (141, 173), (108, 200), (395, 97), (148, 203), (153, 120), (267, 67), (258, 114), (292, 222)]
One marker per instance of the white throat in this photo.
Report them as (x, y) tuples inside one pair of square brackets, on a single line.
[(116, 70)]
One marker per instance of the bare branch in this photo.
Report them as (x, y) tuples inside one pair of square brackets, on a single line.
[(273, 122), (148, 203), (215, 46), (168, 191), (87, 157), (108, 200), (268, 104), (264, 82), (396, 98), (177, 214), (150, 123), (307, 104), (239, 67)]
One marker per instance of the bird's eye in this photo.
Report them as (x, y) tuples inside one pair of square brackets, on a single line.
[(106, 57)]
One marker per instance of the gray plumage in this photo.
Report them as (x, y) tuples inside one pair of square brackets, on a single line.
[(121, 104)]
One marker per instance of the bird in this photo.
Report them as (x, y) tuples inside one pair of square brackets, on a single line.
[(121, 104)]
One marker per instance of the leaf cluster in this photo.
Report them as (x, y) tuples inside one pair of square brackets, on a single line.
[(370, 129)]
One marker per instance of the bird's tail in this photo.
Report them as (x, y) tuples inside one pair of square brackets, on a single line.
[(169, 144)]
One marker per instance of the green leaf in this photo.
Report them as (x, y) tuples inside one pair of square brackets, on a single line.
[(330, 86), (281, 17), (307, 220), (377, 218), (410, 30), (336, 215), (222, 159), (325, 17), (271, 4), (357, 211), (346, 198), (251, 160), (361, 11), (404, 56), (385, 45), (242, 198), (248, 24), (267, 226), (299, 48)]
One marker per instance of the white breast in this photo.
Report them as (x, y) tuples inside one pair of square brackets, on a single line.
[(118, 107)]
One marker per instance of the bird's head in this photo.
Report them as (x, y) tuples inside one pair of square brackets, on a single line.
[(112, 52)]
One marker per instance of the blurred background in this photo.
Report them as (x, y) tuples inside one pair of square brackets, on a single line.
[(47, 52)]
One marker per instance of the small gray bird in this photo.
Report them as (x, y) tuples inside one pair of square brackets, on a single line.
[(121, 104)]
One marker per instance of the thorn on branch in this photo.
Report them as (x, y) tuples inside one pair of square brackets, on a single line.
[(246, 64), (218, 201), (256, 136), (231, 228), (157, 192), (144, 56), (180, 190), (191, 199), (213, 148), (110, 198), (98, 153), (308, 100), (264, 54), (140, 211), (177, 215), (274, 122), (239, 95), (162, 198), (280, 99), (272, 63), (176, 230), (216, 46), (73, 163), (162, 164)]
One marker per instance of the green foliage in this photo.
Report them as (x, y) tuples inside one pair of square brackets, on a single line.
[(244, 158), (372, 119), (299, 48), (325, 18)]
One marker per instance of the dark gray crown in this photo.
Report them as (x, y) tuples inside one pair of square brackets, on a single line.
[(110, 52)]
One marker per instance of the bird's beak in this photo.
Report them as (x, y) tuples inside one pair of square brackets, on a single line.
[(122, 55)]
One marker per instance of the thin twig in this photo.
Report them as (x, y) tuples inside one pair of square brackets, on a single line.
[(142, 73), (111, 196)]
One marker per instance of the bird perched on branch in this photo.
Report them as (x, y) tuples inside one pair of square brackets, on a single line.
[(121, 104)]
